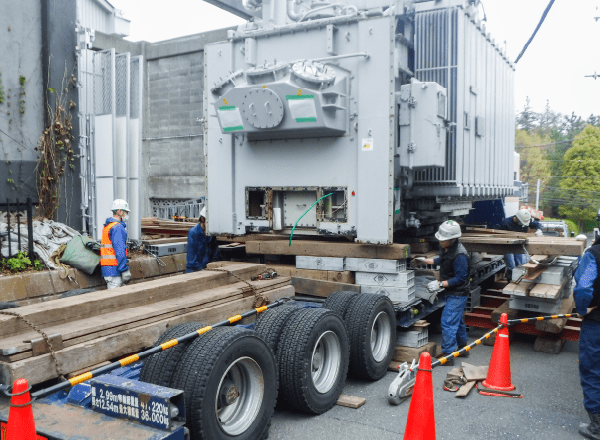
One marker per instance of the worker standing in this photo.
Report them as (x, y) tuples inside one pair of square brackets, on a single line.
[(201, 249), (587, 300), (454, 272), (520, 222), (113, 246)]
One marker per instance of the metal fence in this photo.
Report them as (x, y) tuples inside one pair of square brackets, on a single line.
[(8, 206), (188, 209)]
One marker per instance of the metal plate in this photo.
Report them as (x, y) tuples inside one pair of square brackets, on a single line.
[(295, 203), (262, 108)]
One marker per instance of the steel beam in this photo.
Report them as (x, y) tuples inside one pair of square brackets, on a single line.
[(234, 7)]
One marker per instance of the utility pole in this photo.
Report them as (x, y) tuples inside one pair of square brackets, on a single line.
[(537, 196)]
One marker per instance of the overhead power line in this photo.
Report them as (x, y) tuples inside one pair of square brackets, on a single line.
[(536, 30), (554, 143)]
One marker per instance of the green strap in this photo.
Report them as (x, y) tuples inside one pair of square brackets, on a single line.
[(306, 212)]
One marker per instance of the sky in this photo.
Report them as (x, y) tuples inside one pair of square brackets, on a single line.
[(565, 49)]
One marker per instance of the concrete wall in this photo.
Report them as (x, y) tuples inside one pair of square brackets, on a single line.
[(21, 37), (172, 151)]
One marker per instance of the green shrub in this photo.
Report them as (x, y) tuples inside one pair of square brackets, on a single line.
[(18, 263)]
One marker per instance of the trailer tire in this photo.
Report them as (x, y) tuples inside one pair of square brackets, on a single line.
[(340, 302), (158, 369), (371, 321), (271, 323), (207, 372), (313, 360)]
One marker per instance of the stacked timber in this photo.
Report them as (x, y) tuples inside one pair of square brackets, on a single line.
[(318, 279), (499, 242), (155, 227), (90, 329), (541, 287)]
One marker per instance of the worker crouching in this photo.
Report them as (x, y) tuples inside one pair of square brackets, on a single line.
[(520, 222), (113, 247), (201, 249), (454, 274)]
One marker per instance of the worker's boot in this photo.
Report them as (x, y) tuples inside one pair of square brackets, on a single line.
[(591, 430)]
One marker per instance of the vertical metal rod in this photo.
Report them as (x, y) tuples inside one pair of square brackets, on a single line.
[(18, 215), (8, 227), (30, 228)]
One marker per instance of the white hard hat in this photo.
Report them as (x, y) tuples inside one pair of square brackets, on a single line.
[(524, 216), (581, 237), (120, 204), (203, 212), (448, 230)]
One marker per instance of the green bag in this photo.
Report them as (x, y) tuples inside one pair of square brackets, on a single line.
[(77, 255)]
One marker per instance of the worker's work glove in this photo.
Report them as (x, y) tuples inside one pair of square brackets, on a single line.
[(418, 262), (539, 233), (126, 276), (434, 287)]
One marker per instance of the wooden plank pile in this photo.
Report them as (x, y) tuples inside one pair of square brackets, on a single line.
[(499, 242), (90, 329), (156, 228)]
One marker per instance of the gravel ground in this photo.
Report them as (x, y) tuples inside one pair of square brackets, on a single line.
[(551, 407)]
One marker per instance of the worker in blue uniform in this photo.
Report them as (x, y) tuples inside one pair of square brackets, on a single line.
[(454, 273), (201, 249), (113, 247), (587, 301), (520, 222)]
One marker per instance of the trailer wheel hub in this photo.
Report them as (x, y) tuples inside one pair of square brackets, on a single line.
[(229, 393)]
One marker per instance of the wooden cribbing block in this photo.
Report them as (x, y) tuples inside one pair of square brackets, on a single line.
[(548, 345), (521, 289), (557, 325), (407, 354), (321, 288), (329, 249), (351, 401), (464, 390), (289, 270), (549, 291)]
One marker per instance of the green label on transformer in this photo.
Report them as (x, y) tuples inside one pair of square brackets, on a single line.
[(306, 119), (295, 97), (225, 108), (236, 128)]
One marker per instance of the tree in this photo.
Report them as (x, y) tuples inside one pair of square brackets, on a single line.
[(527, 118), (582, 161), (533, 163)]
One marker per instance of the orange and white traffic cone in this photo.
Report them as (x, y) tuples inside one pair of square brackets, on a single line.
[(498, 382), (420, 424), (20, 424)]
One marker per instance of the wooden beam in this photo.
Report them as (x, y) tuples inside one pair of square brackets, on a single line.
[(321, 288), (109, 301), (106, 324), (289, 270), (329, 249), (41, 368), (557, 325)]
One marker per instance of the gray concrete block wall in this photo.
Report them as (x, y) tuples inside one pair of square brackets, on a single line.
[(172, 165)]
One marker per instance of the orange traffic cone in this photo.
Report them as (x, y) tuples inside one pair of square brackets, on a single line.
[(20, 424), (497, 382), (421, 420)]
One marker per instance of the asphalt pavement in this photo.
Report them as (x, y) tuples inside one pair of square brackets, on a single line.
[(551, 407)]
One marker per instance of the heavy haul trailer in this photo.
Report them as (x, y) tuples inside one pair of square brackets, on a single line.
[(220, 381), (402, 115)]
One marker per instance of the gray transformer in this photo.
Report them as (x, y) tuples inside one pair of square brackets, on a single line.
[(401, 116)]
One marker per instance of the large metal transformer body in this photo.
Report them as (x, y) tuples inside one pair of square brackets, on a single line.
[(404, 114)]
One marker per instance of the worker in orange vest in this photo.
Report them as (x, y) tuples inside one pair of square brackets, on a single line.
[(113, 247)]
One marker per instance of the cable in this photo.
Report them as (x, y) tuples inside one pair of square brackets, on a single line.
[(306, 212), (536, 30), (555, 143)]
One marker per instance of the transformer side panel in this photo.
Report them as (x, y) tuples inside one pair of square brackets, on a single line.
[(218, 147), (376, 88), (479, 80)]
